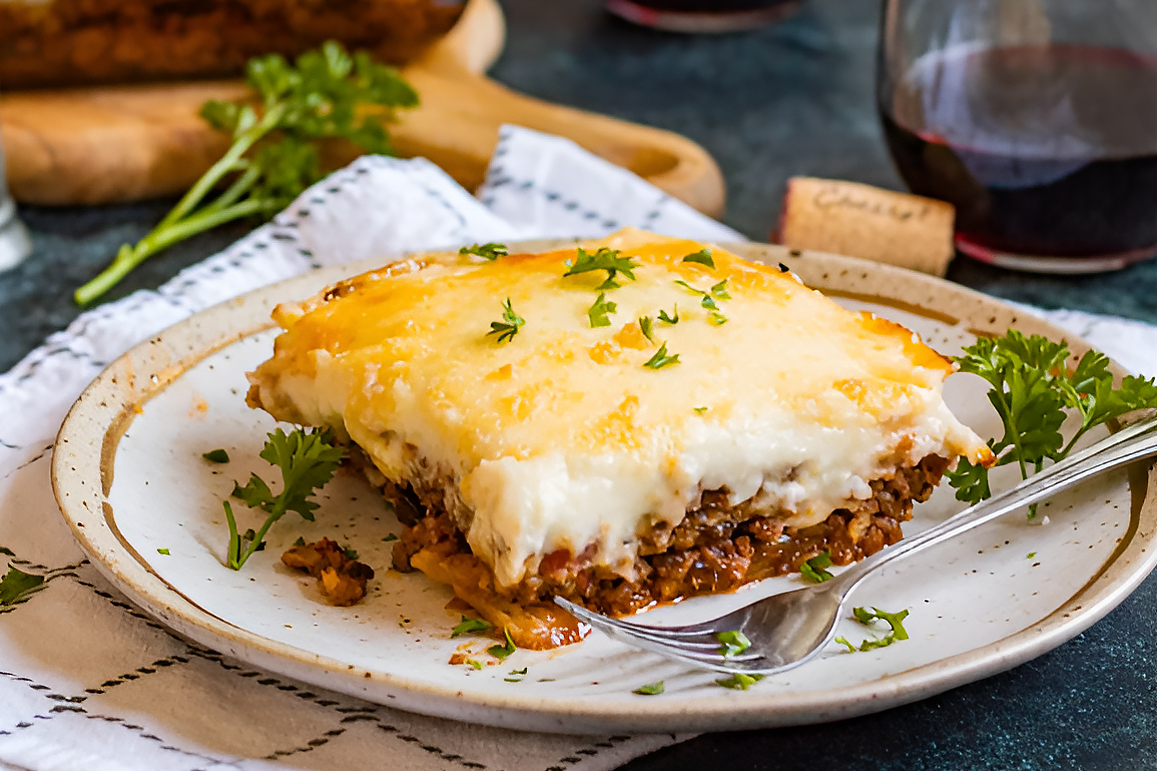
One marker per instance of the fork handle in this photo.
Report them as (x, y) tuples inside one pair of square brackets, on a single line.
[(1137, 441)]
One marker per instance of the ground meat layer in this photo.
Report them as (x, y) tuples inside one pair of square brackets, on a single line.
[(717, 547)]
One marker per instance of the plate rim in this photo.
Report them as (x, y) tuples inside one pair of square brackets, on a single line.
[(106, 405)]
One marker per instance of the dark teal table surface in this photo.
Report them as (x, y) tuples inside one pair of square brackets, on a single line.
[(795, 98)]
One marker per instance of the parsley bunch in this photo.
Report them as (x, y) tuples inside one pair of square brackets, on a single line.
[(1034, 393), (319, 97), (307, 461)]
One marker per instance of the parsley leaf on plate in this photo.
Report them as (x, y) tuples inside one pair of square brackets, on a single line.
[(501, 652), (894, 620), (732, 643), (307, 461), (470, 626), (815, 569), (16, 586), (739, 681)]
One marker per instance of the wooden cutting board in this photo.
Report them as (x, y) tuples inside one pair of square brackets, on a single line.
[(113, 144)]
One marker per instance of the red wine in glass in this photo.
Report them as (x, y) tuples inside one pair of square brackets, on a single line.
[(1048, 152)]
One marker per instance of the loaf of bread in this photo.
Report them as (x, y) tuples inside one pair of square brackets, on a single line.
[(46, 43)]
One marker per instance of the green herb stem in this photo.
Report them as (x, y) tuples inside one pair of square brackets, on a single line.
[(129, 257)]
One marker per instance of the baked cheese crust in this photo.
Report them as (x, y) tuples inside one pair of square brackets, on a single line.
[(563, 439)]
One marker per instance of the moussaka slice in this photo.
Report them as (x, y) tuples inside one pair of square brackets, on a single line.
[(624, 424)]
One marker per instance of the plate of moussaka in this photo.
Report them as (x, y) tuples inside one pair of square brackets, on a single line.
[(376, 479)]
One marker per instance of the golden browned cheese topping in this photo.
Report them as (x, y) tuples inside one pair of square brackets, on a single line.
[(569, 432)]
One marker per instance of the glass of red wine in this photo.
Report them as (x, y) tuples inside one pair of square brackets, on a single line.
[(1037, 119)]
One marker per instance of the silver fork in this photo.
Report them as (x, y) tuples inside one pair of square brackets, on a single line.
[(789, 629)]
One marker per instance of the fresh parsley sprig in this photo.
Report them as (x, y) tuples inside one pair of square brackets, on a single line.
[(510, 324), (606, 259), (318, 97), (1034, 392), (307, 460)]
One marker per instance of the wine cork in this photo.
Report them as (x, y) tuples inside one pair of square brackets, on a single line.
[(828, 215)]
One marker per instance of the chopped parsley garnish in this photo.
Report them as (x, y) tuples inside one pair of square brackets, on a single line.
[(732, 643), (815, 569), (163, 551), (474, 663), (647, 327), (500, 652), (703, 257), (515, 675), (739, 681), (669, 319), (510, 324), (390, 537), (350, 553), (868, 644), (1031, 554), (307, 461), (650, 689), (598, 312), (894, 620), (867, 617), (299, 542), (604, 259), (489, 251), (661, 359), (216, 456), (701, 410), (707, 297), (470, 626), (1033, 391), (16, 585), (716, 319)]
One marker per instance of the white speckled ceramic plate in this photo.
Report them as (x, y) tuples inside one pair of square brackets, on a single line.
[(131, 481)]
